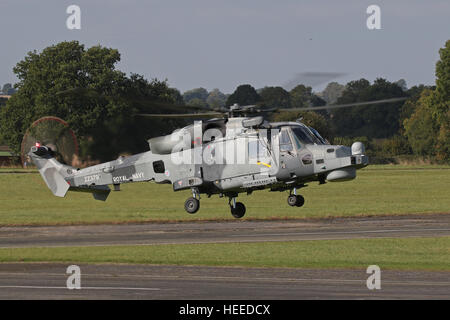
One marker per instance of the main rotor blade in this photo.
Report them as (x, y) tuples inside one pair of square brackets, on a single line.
[(146, 102), (311, 79), (347, 105), (181, 115), (142, 102)]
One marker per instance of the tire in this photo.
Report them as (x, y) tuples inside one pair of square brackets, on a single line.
[(191, 205), (300, 201), (292, 200), (239, 211)]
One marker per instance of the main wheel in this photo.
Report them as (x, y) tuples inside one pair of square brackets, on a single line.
[(300, 201), (191, 205), (292, 200), (238, 211)]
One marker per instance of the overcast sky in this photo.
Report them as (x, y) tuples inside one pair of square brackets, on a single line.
[(221, 44)]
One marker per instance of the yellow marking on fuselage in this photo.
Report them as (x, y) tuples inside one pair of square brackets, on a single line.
[(264, 164)]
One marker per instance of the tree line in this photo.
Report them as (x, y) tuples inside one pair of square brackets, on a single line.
[(82, 86)]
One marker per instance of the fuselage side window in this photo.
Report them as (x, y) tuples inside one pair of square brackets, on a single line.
[(257, 150)]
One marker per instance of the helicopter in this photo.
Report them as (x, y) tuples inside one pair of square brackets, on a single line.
[(234, 151)]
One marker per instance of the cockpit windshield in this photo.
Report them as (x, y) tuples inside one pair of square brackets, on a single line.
[(317, 134), (306, 136)]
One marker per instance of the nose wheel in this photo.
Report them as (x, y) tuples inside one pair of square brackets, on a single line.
[(238, 211), (237, 208)]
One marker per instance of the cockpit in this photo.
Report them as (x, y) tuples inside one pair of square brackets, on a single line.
[(306, 135)]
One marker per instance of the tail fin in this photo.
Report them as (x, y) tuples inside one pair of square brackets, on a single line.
[(55, 174), (50, 169)]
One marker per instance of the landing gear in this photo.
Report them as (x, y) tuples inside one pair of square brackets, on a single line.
[(192, 204), (237, 208), (295, 200)]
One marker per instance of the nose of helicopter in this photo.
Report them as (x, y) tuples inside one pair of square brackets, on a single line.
[(337, 162), (358, 148)]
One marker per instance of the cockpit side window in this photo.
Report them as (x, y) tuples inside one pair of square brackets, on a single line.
[(297, 142), (285, 141)]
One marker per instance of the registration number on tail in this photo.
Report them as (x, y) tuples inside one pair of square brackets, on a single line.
[(92, 178)]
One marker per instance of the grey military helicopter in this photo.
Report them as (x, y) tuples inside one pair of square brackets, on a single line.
[(235, 151)]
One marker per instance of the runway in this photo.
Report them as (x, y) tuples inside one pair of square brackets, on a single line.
[(119, 281), (230, 231), (48, 281)]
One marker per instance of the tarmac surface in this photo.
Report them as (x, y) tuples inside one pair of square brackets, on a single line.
[(434, 225), (120, 281), (48, 281)]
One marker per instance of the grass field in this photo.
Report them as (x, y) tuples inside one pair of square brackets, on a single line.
[(399, 254), (25, 199)]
